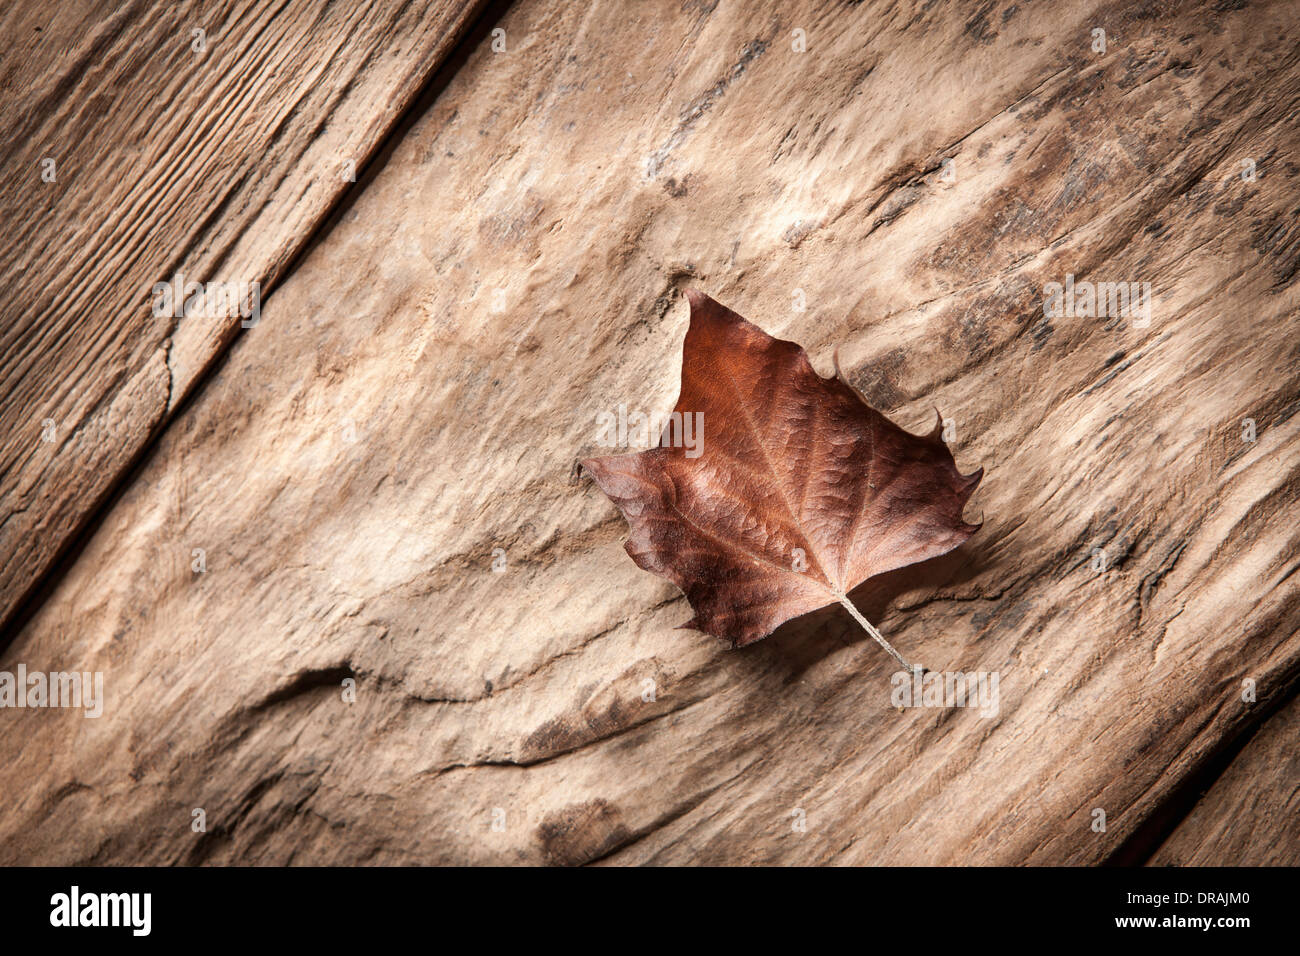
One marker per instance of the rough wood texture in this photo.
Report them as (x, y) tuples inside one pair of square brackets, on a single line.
[(1251, 816), (421, 385), (215, 164)]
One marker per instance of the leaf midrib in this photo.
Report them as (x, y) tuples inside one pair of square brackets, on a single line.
[(832, 586)]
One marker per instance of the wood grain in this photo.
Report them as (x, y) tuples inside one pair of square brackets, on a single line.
[(1251, 815), (215, 163), (410, 408)]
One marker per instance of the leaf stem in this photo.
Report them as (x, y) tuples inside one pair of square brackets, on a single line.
[(870, 629)]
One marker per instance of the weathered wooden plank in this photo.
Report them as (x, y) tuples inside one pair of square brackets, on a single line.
[(134, 150), (421, 385), (1251, 815)]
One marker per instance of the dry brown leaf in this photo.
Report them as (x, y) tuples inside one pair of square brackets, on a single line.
[(798, 492)]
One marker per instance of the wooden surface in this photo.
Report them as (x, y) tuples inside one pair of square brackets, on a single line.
[(1251, 814), (217, 165), (423, 381)]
